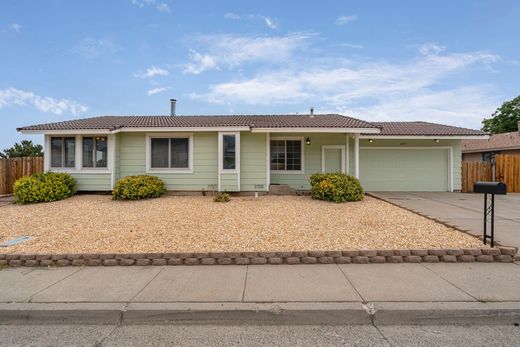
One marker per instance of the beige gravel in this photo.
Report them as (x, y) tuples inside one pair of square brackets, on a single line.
[(95, 223)]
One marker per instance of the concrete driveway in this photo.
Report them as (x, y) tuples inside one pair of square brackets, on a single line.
[(464, 211)]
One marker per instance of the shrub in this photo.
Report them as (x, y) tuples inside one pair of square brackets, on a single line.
[(138, 187), (336, 187), (222, 197), (49, 186)]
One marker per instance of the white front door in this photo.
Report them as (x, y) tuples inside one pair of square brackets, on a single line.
[(333, 159)]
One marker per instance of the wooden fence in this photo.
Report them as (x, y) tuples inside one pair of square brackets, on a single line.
[(13, 168), (473, 171), (506, 169)]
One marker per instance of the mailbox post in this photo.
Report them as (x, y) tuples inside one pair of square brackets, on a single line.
[(490, 188)]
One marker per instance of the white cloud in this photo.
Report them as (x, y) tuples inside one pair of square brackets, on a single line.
[(342, 20), (431, 49), (231, 15), (351, 45), (372, 90), (94, 48), (233, 50), (199, 63), (15, 27), (151, 72), (16, 97), (158, 5), (156, 90), (268, 21)]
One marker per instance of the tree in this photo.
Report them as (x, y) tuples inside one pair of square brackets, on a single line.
[(504, 119), (23, 149)]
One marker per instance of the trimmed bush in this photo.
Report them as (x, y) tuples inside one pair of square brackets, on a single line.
[(49, 186), (336, 187), (138, 187), (222, 197)]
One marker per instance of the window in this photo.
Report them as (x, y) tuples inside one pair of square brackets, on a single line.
[(229, 152), (170, 153), (286, 155), (489, 157), (95, 152), (63, 151)]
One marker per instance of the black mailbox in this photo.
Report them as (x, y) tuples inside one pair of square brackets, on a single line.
[(490, 188)]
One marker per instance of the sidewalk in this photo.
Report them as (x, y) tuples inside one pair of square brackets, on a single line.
[(304, 294)]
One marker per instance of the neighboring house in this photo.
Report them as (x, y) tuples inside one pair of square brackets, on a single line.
[(486, 149), (250, 153)]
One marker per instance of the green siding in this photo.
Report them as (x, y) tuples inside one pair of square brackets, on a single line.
[(229, 182), (117, 156), (253, 170), (92, 182), (312, 158), (133, 161)]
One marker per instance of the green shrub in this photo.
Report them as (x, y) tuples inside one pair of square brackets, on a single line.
[(336, 187), (49, 186), (138, 187), (222, 197)]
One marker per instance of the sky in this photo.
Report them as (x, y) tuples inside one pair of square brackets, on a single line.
[(451, 62)]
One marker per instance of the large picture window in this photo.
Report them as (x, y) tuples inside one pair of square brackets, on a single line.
[(286, 154), (170, 153), (63, 152), (95, 152)]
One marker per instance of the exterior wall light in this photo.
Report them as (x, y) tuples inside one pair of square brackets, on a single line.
[(436, 140), (308, 141), (370, 140)]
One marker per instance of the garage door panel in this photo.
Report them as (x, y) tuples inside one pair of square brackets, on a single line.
[(404, 169)]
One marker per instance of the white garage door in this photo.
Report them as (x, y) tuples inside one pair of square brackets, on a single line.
[(405, 169)]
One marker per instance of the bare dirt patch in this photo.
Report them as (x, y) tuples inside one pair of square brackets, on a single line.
[(96, 224)]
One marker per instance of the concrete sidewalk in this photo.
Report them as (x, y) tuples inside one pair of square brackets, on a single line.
[(299, 294), (464, 211)]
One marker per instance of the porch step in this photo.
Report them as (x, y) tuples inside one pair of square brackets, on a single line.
[(281, 189)]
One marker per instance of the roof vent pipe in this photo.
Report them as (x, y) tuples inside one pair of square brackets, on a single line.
[(173, 102), (312, 112)]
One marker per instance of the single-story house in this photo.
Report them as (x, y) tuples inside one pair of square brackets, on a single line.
[(486, 149), (249, 153)]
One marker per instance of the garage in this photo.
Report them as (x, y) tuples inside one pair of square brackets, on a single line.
[(405, 169)]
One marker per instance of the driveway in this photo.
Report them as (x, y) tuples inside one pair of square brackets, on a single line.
[(464, 211)]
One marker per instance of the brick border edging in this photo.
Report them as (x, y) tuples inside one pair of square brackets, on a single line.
[(485, 255)]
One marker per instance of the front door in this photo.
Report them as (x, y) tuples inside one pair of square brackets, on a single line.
[(333, 159)]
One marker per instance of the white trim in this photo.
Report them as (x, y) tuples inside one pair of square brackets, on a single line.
[(450, 158), (111, 143), (324, 148), (426, 137), (78, 155), (347, 150), (221, 170), (46, 153), (289, 172), (316, 130), (356, 156), (131, 130), (268, 160), (168, 170)]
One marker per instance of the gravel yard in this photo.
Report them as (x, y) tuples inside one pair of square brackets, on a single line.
[(95, 224)]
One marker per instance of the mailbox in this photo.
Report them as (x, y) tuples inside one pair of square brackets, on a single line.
[(490, 188)]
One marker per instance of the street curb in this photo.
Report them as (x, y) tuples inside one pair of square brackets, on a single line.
[(323, 313)]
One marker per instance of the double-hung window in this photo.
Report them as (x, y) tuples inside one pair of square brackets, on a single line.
[(286, 155), (63, 152), (229, 152), (94, 152), (171, 153)]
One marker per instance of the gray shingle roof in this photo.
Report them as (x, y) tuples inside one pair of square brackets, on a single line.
[(254, 121), (423, 129)]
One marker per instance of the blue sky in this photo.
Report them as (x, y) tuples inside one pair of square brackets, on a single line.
[(443, 61)]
